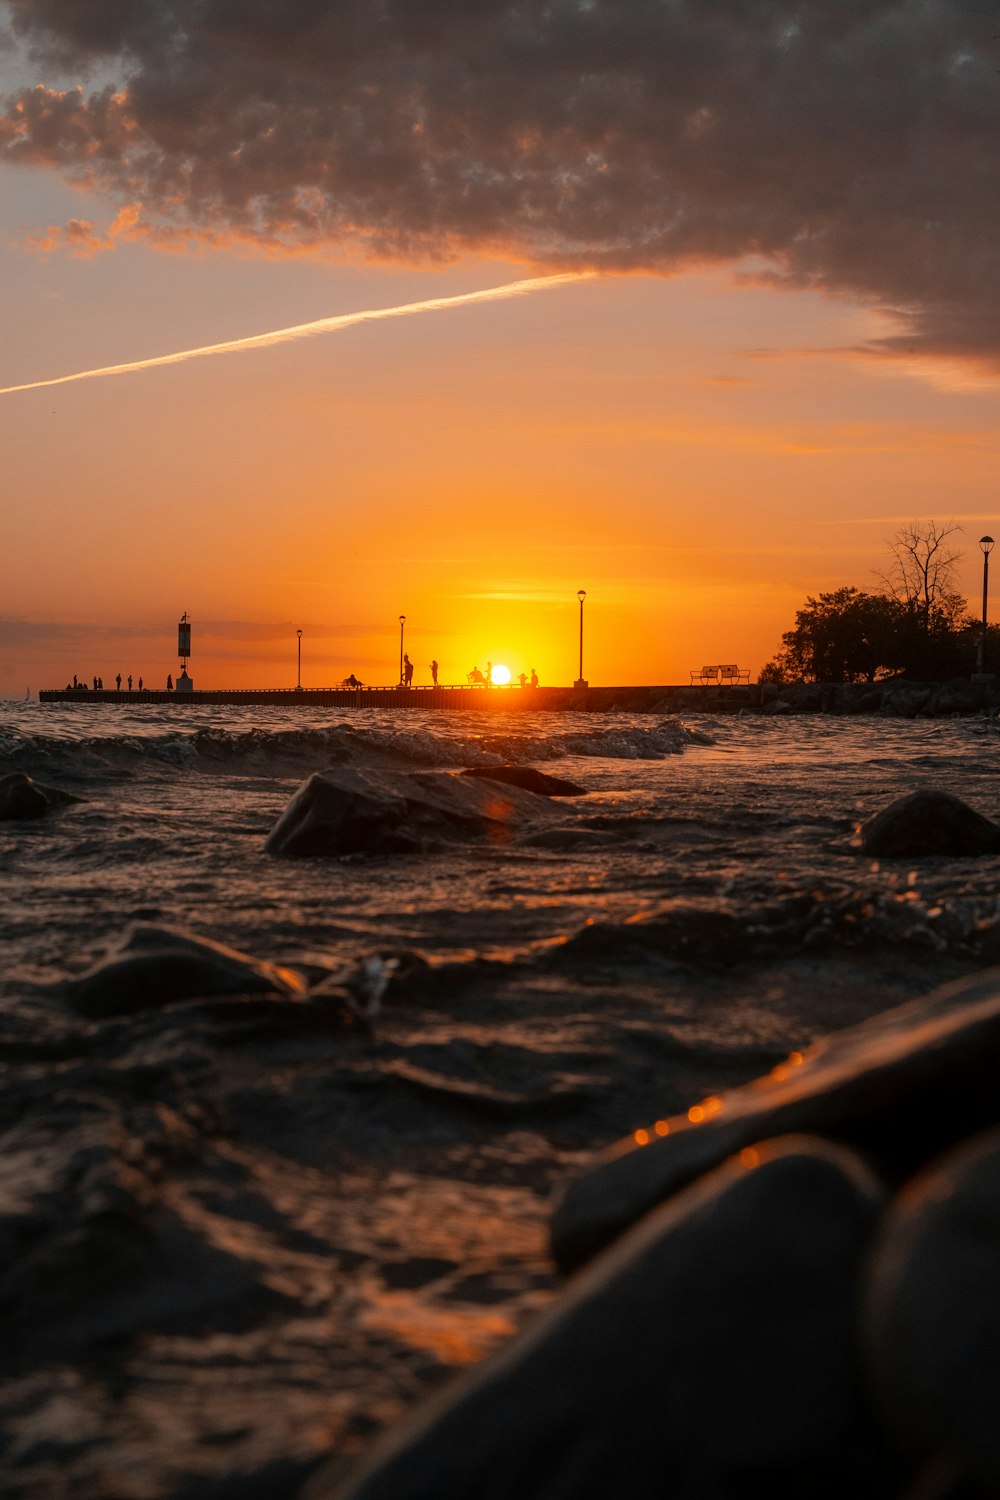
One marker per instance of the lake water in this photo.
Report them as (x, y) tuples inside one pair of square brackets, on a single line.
[(304, 1234)]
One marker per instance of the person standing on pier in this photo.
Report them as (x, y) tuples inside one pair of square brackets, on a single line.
[(407, 672), (170, 683), (130, 682), (118, 683), (434, 673), (489, 674), (534, 678)]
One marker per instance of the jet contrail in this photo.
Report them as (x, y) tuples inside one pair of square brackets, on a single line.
[(321, 325)]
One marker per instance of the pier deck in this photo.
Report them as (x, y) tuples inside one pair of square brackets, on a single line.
[(503, 699)]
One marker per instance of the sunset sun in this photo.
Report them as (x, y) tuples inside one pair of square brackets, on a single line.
[(500, 676)]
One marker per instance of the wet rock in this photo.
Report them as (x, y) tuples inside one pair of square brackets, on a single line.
[(932, 1315), (868, 1086), (154, 966), (709, 1353), (21, 798), (349, 811), (928, 823), (685, 933), (529, 778)]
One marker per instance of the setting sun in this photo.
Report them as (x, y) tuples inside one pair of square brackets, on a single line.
[(500, 676)]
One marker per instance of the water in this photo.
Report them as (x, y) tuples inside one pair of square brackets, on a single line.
[(232, 1248)]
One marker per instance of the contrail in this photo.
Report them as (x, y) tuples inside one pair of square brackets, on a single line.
[(306, 330)]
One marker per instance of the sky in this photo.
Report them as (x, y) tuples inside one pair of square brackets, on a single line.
[(760, 333)]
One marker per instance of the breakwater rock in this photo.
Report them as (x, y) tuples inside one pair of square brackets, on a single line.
[(22, 798), (928, 823), (893, 698)]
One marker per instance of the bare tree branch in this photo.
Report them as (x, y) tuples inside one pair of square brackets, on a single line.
[(923, 571)]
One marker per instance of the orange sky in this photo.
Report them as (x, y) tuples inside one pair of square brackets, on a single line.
[(682, 448)]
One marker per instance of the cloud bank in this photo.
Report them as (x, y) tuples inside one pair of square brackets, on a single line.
[(851, 145)]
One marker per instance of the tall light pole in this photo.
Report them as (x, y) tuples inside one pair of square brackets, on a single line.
[(581, 680), (298, 680), (402, 622), (986, 543)]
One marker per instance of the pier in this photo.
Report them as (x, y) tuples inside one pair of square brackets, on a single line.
[(511, 699)]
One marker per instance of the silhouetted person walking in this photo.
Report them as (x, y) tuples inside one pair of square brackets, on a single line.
[(118, 683), (434, 673)]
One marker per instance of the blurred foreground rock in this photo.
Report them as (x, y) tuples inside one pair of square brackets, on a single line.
[(347, 811), (155, 965), (709, 1353)]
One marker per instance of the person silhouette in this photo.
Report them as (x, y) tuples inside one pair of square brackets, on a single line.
[(407, 672), (522, 679), (434, 673), (130, 682), (170, 683), (534, 678), (489, 674), (140, 684), (118, 682)]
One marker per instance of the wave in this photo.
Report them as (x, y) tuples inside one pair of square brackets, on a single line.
[(289, 751)]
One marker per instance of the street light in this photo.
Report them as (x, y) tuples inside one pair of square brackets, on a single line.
[(298, 684), (402, 622), (581, 681), (986, 543)]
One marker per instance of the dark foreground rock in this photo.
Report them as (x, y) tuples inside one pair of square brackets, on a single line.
[(900, 1088), (928, 823), (932, 1325), (21, 798), (529, 778), (153, 966), (348, 811), (710, 1353)]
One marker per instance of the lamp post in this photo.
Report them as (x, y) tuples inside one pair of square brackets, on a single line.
[(298, 680), (402, 622), (986, 543), (581, 681)]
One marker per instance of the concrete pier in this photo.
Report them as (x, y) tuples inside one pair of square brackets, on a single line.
[(512, 699)]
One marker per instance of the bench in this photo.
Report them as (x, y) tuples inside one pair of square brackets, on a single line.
[(720, 675)]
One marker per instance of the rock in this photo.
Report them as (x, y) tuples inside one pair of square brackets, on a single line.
[(710, 1353), (21, 798), (931, 1324), (928, 823), (352, 811), (154, 966), (528, 778), (900, 1087)]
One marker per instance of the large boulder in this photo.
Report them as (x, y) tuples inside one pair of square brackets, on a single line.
[(932, 1315), (154, 966), (351, 811), (710, 1353), (899, 1087), (21, 798), (528, 777), (927, 823)]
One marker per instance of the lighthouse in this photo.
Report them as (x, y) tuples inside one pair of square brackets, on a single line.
[(184, 683)]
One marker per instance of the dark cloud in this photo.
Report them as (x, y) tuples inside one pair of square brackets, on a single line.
[(849, 144)]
